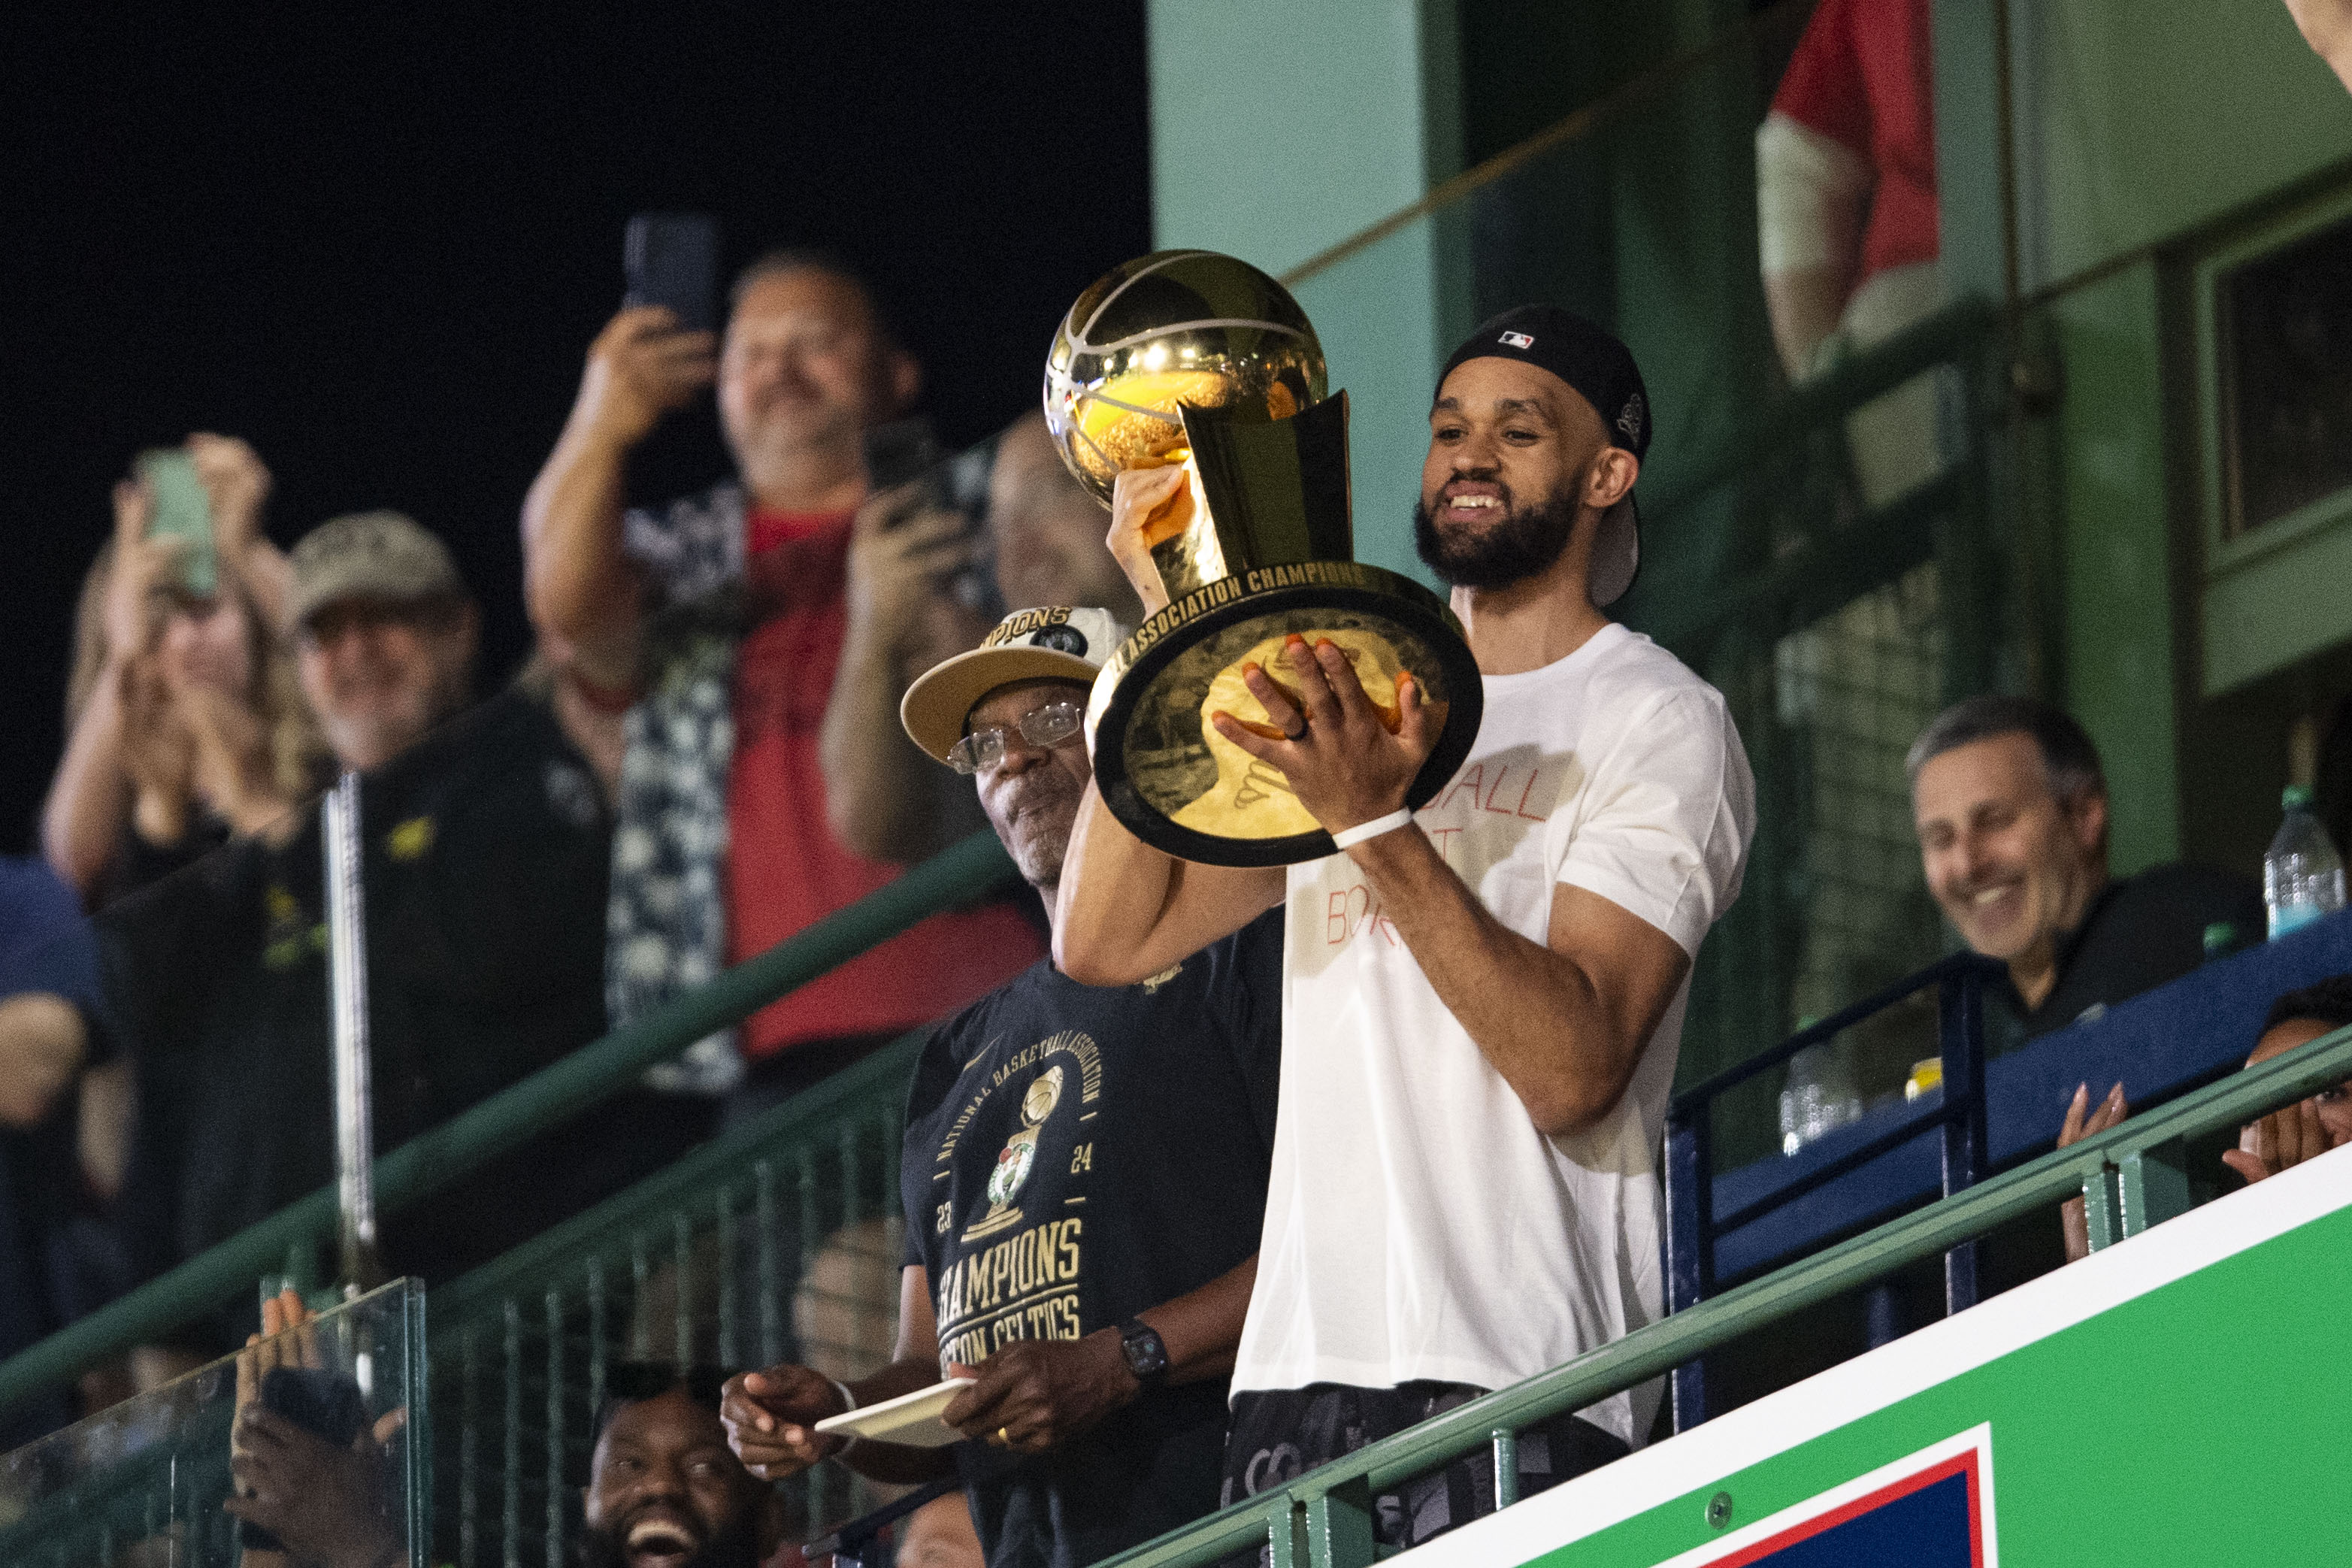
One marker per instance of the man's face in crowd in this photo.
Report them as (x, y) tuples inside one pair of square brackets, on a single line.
[(1511, 450), (1049, 532), (379, 675), (2014, 866), (939, 1535), (806, 365), (666, 1492), (1032, 793)]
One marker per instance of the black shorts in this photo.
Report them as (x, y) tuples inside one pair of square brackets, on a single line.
[(1278, 1434)]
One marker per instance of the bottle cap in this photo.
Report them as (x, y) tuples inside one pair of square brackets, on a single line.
[(2219, 938), (2295, 797)]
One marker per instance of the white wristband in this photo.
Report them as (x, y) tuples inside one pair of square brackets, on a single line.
[(1373, 829), (848, 1400)]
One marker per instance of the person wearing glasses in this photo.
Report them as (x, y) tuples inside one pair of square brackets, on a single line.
[(1084, 1176)]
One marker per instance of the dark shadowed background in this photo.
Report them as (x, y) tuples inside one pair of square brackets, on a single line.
[(376, 246)]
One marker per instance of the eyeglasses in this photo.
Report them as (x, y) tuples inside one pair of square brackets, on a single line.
[(1051, 725)]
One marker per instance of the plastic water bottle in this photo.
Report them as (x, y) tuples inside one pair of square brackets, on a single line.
[(2303, 876), (1819, 1096)]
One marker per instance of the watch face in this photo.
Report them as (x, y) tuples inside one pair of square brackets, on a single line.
[(1147, 1358)]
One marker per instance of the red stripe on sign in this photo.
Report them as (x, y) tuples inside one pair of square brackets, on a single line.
[(1961, 1463)]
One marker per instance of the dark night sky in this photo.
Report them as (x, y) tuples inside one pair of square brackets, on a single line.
[(377, 245)]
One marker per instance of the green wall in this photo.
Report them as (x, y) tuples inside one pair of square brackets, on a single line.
[(2144, 130), (1277, 131), (2115, 556), (2138, 119)]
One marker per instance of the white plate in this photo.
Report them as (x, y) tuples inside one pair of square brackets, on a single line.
[(912, 1419)]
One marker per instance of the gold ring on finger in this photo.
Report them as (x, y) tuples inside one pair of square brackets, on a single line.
[(1003, 1439)]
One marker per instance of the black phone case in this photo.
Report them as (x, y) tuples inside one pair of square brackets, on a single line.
[(902, 450), (672, 259), (325, 1403)]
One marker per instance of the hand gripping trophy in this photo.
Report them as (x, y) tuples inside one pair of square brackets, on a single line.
[(1190, 357)]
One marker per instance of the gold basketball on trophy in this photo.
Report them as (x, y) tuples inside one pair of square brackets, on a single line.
[(1195, 358), (1165, 331)]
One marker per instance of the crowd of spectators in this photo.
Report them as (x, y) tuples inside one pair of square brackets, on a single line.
[(701, 756)]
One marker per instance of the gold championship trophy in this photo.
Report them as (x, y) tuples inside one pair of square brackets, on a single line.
[(1187, 356)]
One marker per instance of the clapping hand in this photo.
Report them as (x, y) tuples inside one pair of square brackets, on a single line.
[(2082, 1122), (2289, 1136)]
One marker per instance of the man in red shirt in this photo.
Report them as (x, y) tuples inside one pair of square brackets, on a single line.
[(1846, 218), (731, 624)]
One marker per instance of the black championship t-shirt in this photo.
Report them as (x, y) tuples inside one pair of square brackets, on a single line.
[(1075, 1156)]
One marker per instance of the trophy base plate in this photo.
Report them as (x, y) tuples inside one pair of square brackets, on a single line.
[(1182, 787)]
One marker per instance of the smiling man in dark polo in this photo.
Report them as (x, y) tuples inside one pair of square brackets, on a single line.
[(2011, 805)]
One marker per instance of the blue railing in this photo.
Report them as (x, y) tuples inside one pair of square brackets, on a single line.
[(1735, 1226), (1958, 1112)]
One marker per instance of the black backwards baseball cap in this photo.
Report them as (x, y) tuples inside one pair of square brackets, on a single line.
[(1601, 371)]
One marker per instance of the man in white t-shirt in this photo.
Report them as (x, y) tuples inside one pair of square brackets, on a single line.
[(1483, 1002)]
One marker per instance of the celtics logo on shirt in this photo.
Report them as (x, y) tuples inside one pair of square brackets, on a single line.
[(1008, 1266), (1020, 1152)]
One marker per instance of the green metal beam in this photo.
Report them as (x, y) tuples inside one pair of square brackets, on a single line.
[(817, 1109), (1826, 398), (439, 1158)]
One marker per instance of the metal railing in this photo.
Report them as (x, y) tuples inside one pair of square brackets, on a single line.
[(2130, 1177), (440, 1157), (1692, 1222), (777, 1241), (1984, 1115)]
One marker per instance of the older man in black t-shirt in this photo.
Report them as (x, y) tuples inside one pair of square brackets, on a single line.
[(1084, 1177)]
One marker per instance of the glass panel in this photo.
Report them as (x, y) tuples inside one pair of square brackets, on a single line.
[(333, 1462)]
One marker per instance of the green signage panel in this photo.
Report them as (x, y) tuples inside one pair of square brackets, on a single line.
[(2182, 1397)]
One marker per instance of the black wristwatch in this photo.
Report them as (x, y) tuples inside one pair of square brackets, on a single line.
[(1145, 1354)]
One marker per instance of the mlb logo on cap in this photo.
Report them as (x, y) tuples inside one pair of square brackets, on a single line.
[(1518, 340)]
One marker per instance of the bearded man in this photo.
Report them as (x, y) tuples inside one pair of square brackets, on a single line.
[(1483, 1000)]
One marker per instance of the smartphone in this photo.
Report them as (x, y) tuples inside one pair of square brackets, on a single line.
[(899, 452), (672, 259), (182, 510), (906, 451), (325, 1405)]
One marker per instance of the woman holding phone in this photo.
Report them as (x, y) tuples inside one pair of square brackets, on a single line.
[(186, 722)]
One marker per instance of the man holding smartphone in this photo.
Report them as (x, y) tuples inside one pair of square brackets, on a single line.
[(731, 624)]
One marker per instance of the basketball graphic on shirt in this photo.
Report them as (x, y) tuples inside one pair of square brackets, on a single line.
[(1019, 1154), (1251, 798)]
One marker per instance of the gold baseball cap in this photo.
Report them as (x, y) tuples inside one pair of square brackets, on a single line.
[(1052, 642)]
